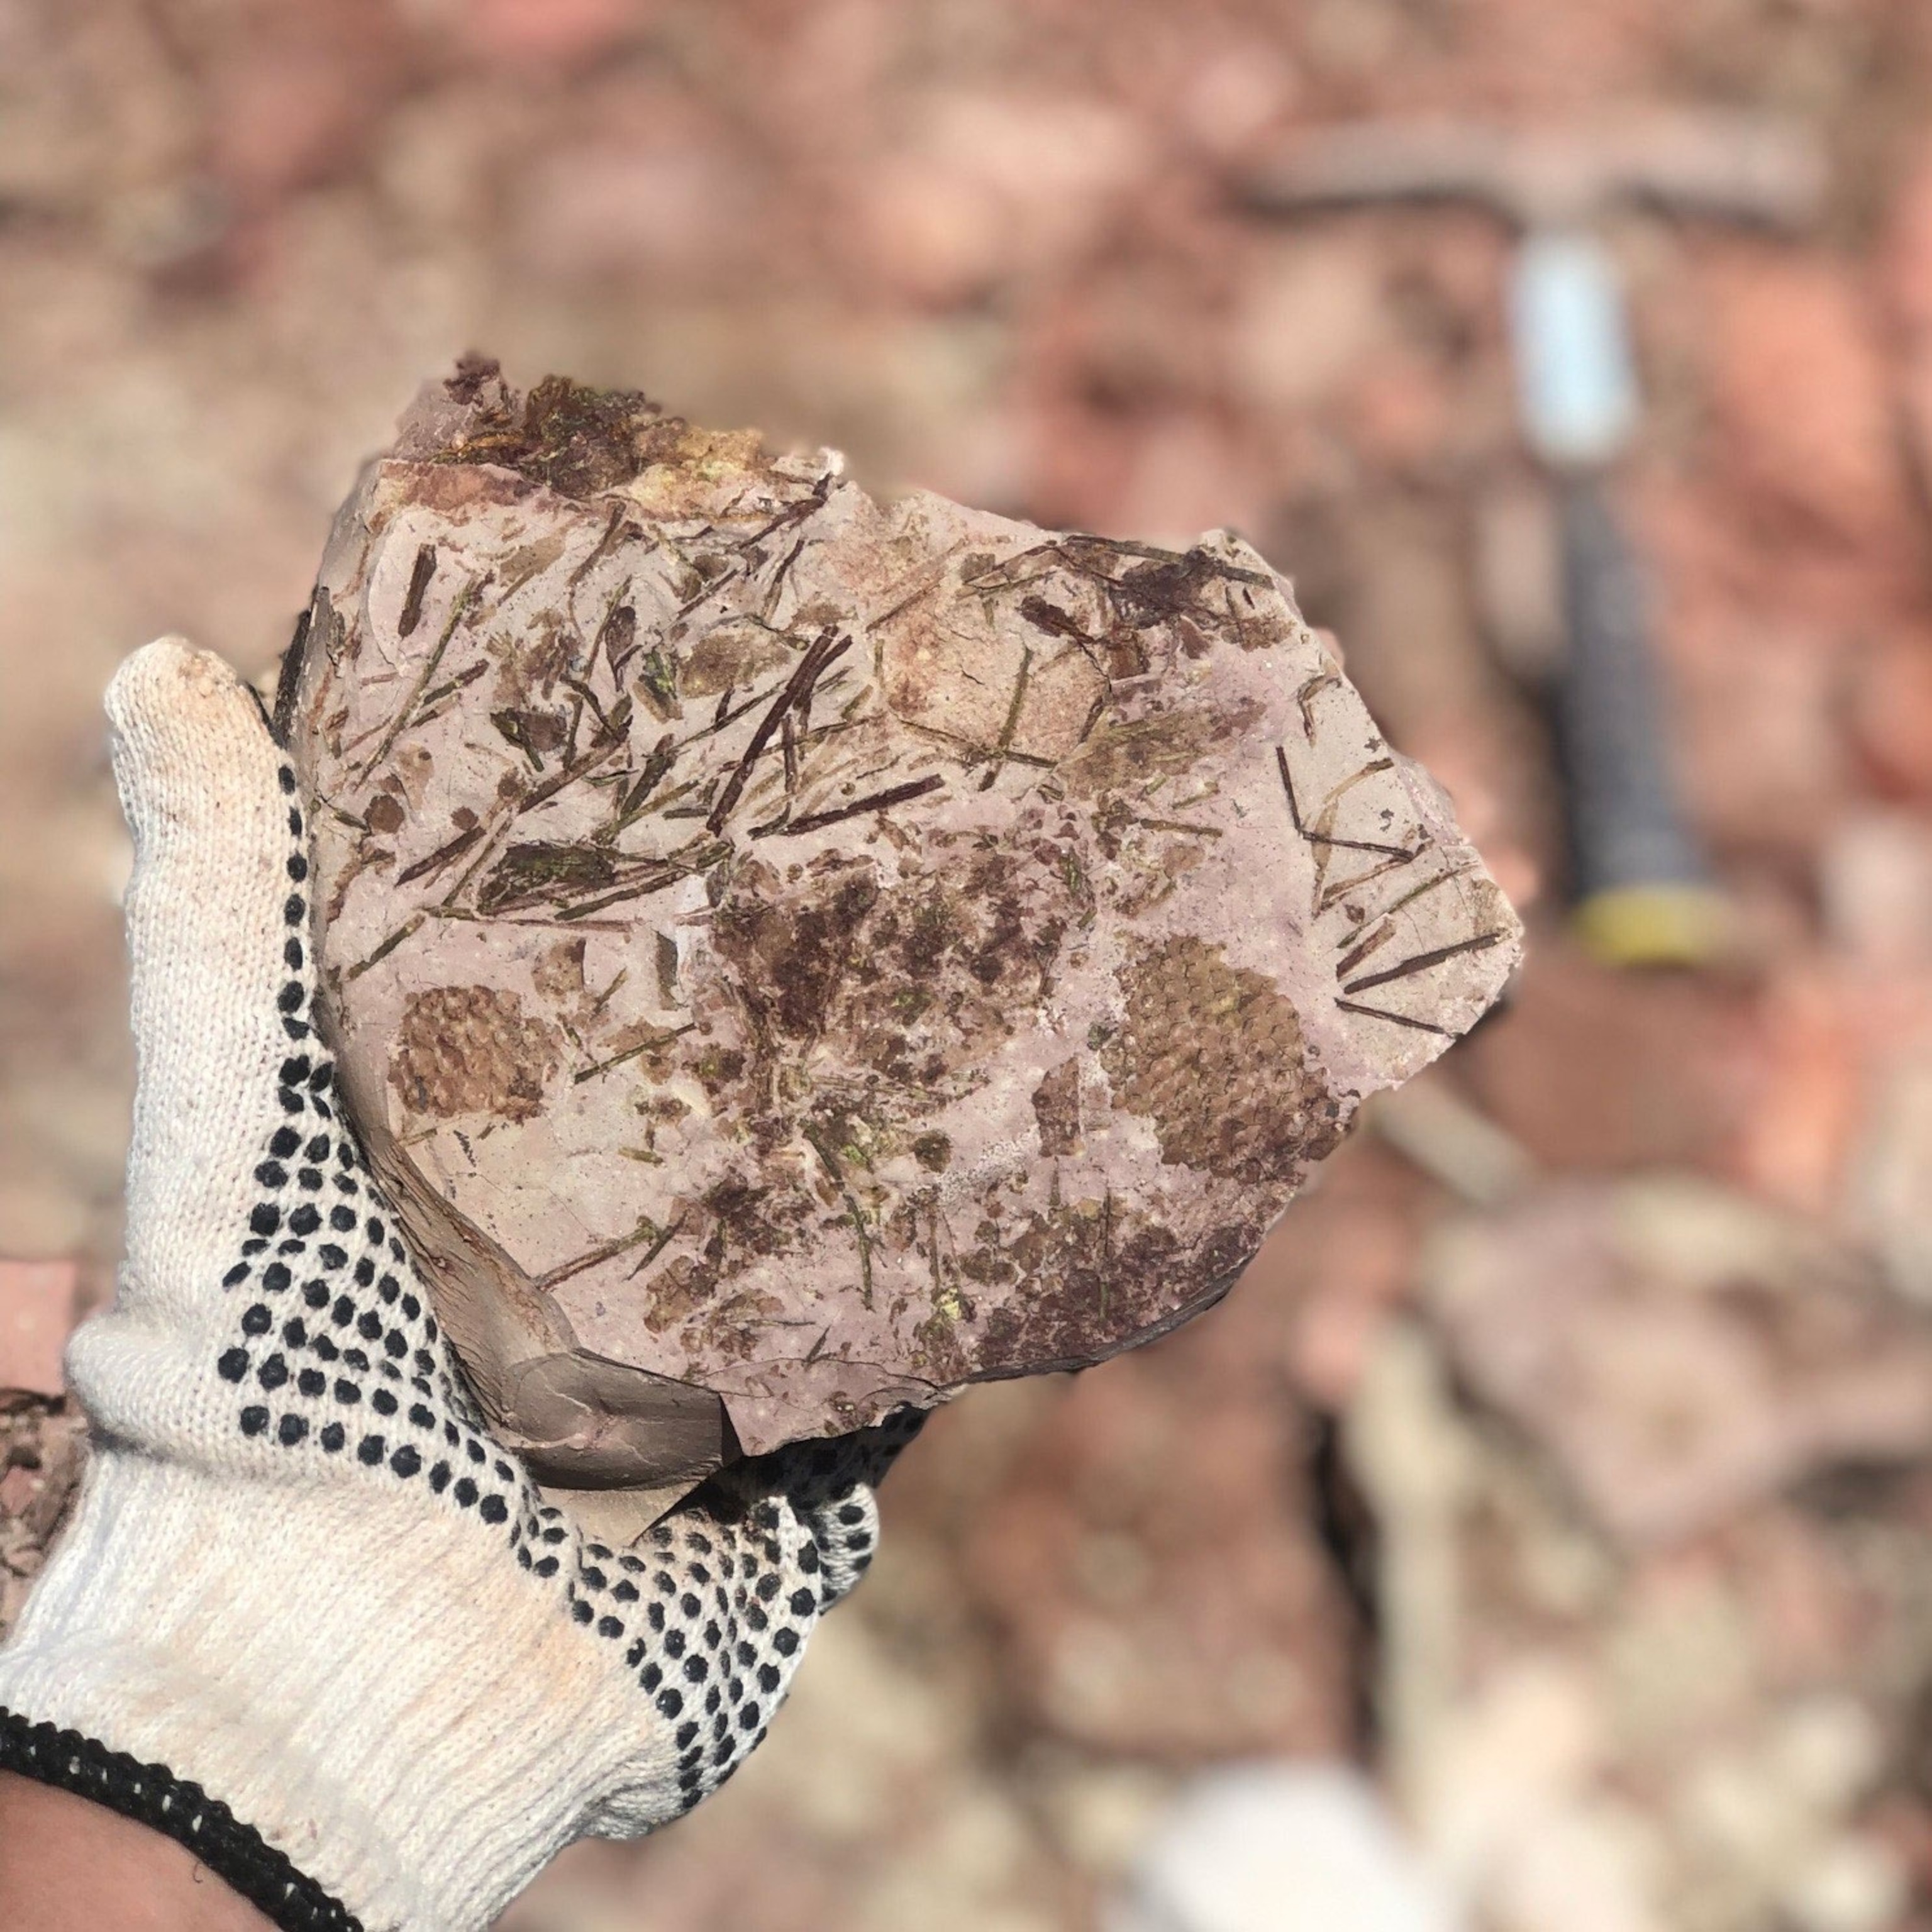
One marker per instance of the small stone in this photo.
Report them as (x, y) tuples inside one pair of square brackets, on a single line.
[(1677, 1350), (1875, 884)]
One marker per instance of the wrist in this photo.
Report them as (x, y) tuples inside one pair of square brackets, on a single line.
[(69, 1864)]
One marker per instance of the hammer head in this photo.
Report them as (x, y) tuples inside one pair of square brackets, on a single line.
[(1735, 167)]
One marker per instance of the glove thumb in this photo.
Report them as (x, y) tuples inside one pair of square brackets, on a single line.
[(217, 922)]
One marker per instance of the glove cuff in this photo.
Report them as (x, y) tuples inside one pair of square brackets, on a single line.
[(369, 1695)]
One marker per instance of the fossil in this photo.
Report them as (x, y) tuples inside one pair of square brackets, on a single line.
[(790, 954)]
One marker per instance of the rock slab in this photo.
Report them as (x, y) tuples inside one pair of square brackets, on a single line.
[(792, 955)]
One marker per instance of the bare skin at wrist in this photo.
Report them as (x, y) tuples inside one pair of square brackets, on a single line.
[(67, 1865)]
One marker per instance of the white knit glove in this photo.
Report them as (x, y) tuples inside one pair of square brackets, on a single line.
[(309, 1618)]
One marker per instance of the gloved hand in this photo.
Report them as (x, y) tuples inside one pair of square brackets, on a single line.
[(309, 1618)]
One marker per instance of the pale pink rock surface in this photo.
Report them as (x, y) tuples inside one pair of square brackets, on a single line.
[(825, 952)]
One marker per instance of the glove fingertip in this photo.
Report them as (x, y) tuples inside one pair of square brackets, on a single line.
[(216, 909), (185, 728)]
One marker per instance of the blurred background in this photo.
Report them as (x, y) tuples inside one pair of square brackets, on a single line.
[(1540, 1538)]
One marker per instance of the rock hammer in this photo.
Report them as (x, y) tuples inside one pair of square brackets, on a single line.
[(1641, 884)]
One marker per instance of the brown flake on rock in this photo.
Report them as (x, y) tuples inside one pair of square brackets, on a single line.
[(820, 952), (1056, 1106), (792, 951)]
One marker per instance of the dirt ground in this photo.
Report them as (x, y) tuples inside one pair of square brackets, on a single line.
[(1567, 1458)]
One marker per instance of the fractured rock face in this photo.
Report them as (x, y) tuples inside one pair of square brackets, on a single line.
[(805, 954)]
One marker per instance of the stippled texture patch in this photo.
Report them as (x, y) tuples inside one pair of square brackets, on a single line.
[(472, 1050), (1213, 1056)]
